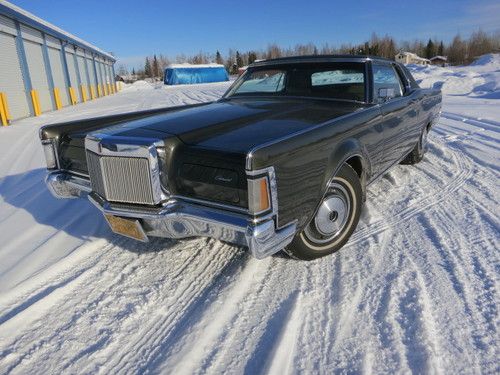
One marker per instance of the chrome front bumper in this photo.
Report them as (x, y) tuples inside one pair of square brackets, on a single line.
[(177, 218)]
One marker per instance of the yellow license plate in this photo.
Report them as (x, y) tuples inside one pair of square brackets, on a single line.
[(127, 227)]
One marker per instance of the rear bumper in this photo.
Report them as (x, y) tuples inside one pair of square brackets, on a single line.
[(177, 218)]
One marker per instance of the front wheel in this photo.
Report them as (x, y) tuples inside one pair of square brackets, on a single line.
[(335, 219)]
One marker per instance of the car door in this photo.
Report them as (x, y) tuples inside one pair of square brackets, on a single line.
[(399, 113)]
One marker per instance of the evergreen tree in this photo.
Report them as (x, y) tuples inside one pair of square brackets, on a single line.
[(252, 56), (239, 60), (133, 71), (430, 49), (147, 68), (218, 58), (440, 51), (155, 67)]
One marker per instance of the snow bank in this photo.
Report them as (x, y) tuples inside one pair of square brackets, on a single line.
[(481, 79), (139, 85)]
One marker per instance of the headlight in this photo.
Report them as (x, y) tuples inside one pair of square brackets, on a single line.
[(258, 195), (50, 153)]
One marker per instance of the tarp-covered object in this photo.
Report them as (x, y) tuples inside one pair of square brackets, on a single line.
[(185, 74)]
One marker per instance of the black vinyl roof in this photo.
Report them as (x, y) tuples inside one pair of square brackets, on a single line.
[(318, 58)]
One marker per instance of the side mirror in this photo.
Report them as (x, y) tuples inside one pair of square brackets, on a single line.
[(385, 94)]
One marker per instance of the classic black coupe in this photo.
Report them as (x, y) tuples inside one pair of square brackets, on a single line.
[(281, 161)]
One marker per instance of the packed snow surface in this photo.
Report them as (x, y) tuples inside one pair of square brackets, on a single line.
[(414, 290)]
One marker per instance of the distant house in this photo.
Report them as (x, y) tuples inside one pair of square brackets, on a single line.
[(411, 58), (439, 60)]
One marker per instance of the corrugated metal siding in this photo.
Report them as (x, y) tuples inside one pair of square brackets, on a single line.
[(11, 78), (53, 42), (90, 66), (58, 74), (83, 71), (72, 74), (7, 26), (31, 34), (38, 74)]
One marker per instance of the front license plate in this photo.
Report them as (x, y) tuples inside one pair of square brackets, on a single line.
[(127, 227)]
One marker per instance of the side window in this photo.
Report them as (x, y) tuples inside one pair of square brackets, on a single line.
[(386, 83)]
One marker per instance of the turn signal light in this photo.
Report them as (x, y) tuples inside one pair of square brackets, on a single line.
[(258, 195), (50, 154)]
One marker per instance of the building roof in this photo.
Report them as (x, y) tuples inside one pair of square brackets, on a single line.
[(444, 58), (30, 19)]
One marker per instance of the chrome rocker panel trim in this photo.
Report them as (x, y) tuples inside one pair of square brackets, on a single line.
[(177, 218)]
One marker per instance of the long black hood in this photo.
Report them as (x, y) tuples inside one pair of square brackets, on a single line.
[(236, 125)]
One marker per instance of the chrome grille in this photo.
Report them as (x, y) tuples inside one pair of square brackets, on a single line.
[(121, 179)]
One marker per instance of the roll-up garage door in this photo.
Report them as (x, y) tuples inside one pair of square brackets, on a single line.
[(82, 67), (70, 60), (111, 78), (93, 83), (11, 78), (57, 69), (32, 40), (102, 78), (38, 74), (105, 77)]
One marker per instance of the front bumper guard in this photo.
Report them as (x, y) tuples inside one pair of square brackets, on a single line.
[(177, 218)]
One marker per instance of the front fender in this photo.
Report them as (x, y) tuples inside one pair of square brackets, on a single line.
[(344, 151)]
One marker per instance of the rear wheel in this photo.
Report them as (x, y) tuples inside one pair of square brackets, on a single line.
[(417, 154), (335, 219)]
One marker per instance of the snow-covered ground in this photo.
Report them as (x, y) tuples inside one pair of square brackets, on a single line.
[(414, 290)]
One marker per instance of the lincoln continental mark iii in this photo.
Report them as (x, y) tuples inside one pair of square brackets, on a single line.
[(281, 162)]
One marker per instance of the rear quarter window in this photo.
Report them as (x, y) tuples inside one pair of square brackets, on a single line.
[(336, 77)]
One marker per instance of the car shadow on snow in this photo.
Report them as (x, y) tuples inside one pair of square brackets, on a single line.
[(77, 217)]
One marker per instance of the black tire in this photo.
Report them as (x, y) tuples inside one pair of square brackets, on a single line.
[(418, 152), (334, 221)]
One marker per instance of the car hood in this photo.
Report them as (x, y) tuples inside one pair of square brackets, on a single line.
[(236, 125)]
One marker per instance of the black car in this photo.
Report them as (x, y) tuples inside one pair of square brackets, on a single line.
[(281, 161)]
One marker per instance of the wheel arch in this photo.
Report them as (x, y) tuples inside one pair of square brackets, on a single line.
[(353, 153)]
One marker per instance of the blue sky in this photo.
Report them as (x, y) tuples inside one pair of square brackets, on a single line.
[(134, 29)]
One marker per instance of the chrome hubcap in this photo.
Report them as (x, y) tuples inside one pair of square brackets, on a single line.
[(331, 217)]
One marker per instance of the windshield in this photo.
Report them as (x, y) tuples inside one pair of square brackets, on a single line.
[(344, 81)]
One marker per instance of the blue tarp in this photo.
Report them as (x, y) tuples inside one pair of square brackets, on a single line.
[(193, 74)]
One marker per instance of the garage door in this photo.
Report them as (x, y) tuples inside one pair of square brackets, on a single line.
[(38, 74), (90, 67), (11, 78), (100, 77), (57, 69), (82, 67), (72, 75), (105, 79), (32, 40)]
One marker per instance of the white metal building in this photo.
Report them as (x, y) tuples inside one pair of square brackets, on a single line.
[(43, 68)]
